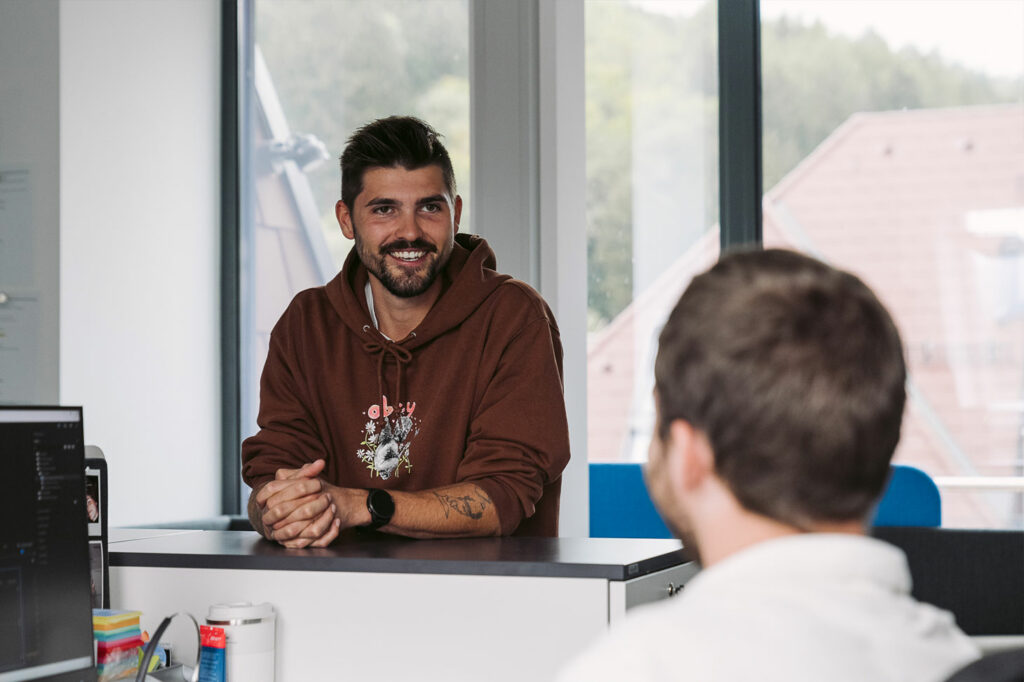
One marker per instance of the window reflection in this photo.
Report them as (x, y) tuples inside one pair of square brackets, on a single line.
[(652, 198)]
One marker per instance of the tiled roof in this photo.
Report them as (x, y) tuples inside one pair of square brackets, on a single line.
[(927, 207)]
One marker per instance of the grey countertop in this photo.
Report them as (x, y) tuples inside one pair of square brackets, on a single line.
[(609, 558)]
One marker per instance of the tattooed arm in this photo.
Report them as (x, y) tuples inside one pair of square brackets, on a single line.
[(459, 510), (454, 511)]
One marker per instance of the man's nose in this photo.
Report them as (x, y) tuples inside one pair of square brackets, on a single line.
[(408, 226)]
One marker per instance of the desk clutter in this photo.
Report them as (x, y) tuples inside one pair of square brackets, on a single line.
[(235, 645)]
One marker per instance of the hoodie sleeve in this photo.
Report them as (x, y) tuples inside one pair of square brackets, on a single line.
[(288, 435), (519, 435)]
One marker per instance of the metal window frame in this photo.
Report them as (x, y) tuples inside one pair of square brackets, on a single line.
[(739, 123), (234, 34)]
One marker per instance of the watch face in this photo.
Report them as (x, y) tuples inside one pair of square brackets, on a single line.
[(381, 504)]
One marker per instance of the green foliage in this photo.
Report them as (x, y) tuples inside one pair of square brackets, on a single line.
[(813, 80), (651, 94), (649, 81)]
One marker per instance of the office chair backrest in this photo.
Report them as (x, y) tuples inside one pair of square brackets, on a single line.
[(911, 498), (619, 504), (974, 574)]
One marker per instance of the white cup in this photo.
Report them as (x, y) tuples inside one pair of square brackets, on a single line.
[(249, 630)]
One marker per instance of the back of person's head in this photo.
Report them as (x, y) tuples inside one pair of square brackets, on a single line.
[(395, 141), (794, 371)]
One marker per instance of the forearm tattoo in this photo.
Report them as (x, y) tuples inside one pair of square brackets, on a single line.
[(472, 505)]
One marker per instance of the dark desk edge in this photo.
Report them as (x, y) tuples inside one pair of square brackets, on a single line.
[(263, 555)]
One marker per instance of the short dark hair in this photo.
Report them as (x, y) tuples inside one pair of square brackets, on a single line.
[(395, 141), (794, 371)]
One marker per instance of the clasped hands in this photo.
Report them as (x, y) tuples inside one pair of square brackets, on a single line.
[(298, 509)]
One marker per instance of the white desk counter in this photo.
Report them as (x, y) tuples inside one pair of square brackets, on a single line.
[(387, 608)]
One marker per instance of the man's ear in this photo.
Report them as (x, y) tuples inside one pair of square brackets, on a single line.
[(458, 212), (689, 457), (344, 219)]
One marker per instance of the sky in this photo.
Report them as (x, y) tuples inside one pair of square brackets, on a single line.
[(993, 42)]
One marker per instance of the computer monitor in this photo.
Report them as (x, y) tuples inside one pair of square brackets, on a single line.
[(45, 610)]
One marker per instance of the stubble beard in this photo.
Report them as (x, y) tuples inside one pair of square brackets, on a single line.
[(403, 284), (668, 505), (680, 526), (689, 539)]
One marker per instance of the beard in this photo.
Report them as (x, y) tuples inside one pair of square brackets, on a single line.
[(667, 503), (403, 282), (690, 546), (679, 525)]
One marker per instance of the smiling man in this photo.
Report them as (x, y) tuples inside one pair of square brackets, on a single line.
[(418, 392)]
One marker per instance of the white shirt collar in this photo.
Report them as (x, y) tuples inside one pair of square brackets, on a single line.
[(369, 305), (809, 557)]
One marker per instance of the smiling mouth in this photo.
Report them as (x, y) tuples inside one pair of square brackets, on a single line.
[(408, 256)]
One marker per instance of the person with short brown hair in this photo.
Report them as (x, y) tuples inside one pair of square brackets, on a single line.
[(779, 390)]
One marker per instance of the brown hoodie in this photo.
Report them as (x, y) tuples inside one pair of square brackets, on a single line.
[(474, 393)]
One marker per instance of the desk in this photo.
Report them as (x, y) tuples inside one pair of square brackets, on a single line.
[(388, 608)]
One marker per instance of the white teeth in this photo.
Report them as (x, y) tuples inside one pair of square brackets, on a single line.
[(408, 255)]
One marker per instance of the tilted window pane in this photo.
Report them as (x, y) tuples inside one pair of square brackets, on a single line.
[(894, 147), (652, 198)]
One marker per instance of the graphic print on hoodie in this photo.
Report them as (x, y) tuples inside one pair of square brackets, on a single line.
[(387, 437)]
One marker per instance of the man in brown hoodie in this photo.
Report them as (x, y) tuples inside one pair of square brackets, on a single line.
[(419, 391)]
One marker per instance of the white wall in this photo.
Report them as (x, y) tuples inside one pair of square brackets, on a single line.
[(139, 247)]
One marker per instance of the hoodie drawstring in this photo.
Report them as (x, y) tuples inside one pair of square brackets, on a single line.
[(383, 348)]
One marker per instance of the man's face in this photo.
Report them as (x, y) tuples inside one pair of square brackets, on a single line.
[(666, 497), (404, 224)]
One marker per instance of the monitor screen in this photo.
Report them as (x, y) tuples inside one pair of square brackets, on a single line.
[(45, 595)]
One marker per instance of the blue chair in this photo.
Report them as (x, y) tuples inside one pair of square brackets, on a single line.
[(619, 504), (621, 508), (911, 498)]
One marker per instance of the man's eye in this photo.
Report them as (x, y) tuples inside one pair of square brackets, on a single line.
[(431, 208), (383, 210)]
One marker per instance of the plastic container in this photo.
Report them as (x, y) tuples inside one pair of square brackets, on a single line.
[(249, 629)]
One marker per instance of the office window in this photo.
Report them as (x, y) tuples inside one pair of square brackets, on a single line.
[(894, 147), (319, 70), (652, 198)]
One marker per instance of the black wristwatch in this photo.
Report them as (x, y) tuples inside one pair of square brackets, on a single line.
[(381, 508)]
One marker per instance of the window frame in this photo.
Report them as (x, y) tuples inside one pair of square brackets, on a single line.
[(236, 34)]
